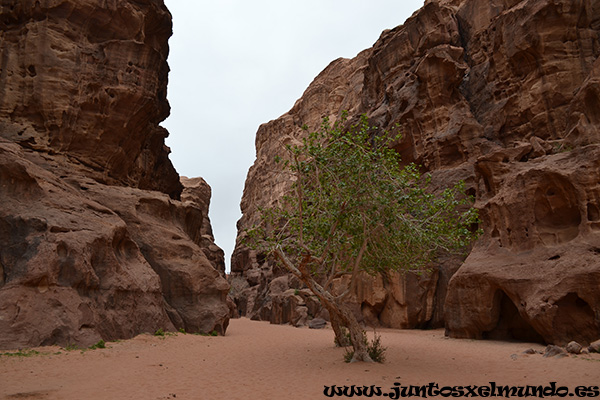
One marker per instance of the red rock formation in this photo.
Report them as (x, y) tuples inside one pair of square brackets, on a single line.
[(94, 241), (198, 193), (90, 81), (504, 95)]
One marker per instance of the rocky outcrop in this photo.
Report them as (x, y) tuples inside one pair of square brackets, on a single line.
[(90, 81), (538, 193), (536, 267), (503, 95), (99, 239), (197, 192)]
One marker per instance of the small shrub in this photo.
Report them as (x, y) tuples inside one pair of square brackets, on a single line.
[(21, 353), (348, 354), (346, 338), (213, 333), (159, 332), (375, 350), (181, 330), (100, 345), (559, 147)]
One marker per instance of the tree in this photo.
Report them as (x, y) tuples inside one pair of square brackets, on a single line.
[(352, 208)]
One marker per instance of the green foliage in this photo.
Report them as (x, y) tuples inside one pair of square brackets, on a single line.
[(346, 338), (561, 147), (70, 347), (21, 353), (375, 350), (352, 206), (29, 353), (213, 333), (100, 345), (162, 334), (348, 354)]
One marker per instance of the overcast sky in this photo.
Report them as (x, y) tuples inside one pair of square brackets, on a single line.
[(236, 64)]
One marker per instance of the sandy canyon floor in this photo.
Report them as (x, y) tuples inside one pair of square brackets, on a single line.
[(256, 360)]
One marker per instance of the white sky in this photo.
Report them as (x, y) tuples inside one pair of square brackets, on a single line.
[(236, 64)]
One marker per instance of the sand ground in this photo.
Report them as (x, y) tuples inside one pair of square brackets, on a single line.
[(256, 360)]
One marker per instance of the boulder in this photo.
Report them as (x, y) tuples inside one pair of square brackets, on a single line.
[(317, 323), (554, 351), (574, 347), (595, 347)]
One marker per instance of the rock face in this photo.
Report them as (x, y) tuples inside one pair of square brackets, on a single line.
[(504, 95), (90, 81), (197, 193), (99, 239)]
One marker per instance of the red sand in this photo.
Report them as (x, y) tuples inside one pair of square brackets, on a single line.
[(256, 360)]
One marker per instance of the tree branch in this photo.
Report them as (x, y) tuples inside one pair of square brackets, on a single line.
[(300, 199), (357, 260), (286, 262)]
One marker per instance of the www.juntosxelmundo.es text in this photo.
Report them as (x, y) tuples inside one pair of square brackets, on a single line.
[(434, 390)]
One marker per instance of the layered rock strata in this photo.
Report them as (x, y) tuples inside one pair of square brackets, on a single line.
[(99, 239), (90, 80), (505, 96)]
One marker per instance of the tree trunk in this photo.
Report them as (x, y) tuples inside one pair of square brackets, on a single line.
[(357, 335), (341, 339), (341, 315)]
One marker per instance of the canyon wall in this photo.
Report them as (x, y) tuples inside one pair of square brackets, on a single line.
[(99, 236), (505, 95)]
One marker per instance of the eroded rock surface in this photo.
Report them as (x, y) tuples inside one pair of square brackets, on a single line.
[(505, 96), (99, 239), (90, 80)]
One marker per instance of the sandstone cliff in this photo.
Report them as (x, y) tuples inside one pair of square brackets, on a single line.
[(98, 237), (505, 95)]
